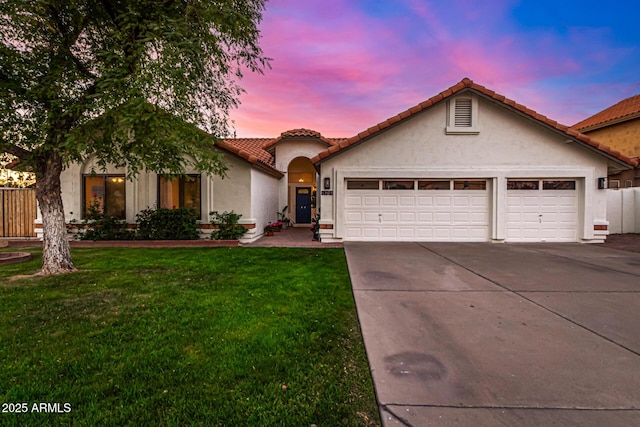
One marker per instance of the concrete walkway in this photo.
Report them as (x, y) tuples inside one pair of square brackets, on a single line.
[(293, 237), (500, 334)]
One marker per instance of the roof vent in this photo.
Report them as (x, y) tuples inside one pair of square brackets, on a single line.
[(462, 113)]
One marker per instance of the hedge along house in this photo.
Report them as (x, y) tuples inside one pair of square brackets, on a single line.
[(465, 165)]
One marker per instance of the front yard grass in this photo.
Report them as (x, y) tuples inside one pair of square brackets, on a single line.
[(182, 337)]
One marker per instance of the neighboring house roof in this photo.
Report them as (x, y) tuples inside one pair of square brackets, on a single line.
[(468, 85), (627, 109)]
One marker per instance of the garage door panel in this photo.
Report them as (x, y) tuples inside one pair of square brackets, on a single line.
[(425, 201), (514, 200), (351, 217), (390, 201), (542, 215), (477, 233), (371, 217), (407, 201), (353, 232), (479, 218), (353, 201), (388, 217), (389, 232), (424, 233), (567, 218), (461, 201), (460, 233), (406, 233), (422, 217), (479, 199), (530, 217), (370, 233), (443, 201), (531, 201), (461, 217), (409, 215), (442, 217), (442, 233), (370, 201)]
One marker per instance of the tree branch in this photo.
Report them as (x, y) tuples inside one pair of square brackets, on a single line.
[(13, 149), (69, 39)]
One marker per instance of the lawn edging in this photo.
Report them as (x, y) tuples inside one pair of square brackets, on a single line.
[(132, 243)]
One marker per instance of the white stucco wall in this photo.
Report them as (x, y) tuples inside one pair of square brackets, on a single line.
[(233, 192), (264, 201), (507, 146)]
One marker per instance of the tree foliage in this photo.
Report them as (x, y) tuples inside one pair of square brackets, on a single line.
[(82, 77), (138, 83)]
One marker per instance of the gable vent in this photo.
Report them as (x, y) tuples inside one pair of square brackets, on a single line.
[(462, 113)]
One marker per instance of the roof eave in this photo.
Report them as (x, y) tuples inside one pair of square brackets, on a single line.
[(248, 158), (570, 133)]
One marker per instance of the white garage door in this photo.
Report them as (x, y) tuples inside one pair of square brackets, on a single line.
[(542, 210), (416, 210)]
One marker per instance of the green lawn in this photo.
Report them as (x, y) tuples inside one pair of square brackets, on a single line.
[(181, 337)]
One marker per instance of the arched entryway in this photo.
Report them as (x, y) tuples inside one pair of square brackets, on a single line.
[(301, 178)]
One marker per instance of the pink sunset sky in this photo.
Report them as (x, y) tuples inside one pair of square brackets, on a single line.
[(339, 67)]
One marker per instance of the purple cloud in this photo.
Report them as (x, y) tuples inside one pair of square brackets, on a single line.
[(340, 67)]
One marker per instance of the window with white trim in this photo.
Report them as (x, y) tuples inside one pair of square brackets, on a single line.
[(462, 115)]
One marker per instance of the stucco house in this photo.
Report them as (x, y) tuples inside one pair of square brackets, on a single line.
[(465, 165), (618, 127)]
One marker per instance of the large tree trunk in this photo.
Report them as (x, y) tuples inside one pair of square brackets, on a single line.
[(56, 254)]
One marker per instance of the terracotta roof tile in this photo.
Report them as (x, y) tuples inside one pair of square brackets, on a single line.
[(254, 150), (246, 147), (626, 109), (466, 84), (300, 133)]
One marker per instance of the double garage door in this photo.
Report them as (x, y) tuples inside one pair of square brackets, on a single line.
[(457, 210)]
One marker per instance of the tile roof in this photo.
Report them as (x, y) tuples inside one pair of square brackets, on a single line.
[(301, 133), (626, 109), (465, 85), (257, 150), (250, 149)]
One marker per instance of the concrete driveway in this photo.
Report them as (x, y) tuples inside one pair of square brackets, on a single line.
[(500, 334)]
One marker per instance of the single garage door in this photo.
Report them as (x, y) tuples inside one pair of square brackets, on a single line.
[(542, 210), (416, 210)]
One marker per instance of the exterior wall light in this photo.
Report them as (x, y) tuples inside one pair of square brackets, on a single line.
[(602, 183), (327, 183)]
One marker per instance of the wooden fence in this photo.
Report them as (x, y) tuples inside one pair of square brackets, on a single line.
[(18, 211)]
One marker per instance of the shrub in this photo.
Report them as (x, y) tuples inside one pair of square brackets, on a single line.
[(98, 226), (228, 228), (167, 224)]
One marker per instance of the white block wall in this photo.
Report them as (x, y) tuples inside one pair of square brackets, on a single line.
[(623, 210)]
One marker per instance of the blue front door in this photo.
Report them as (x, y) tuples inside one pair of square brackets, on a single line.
[(303, 205)]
